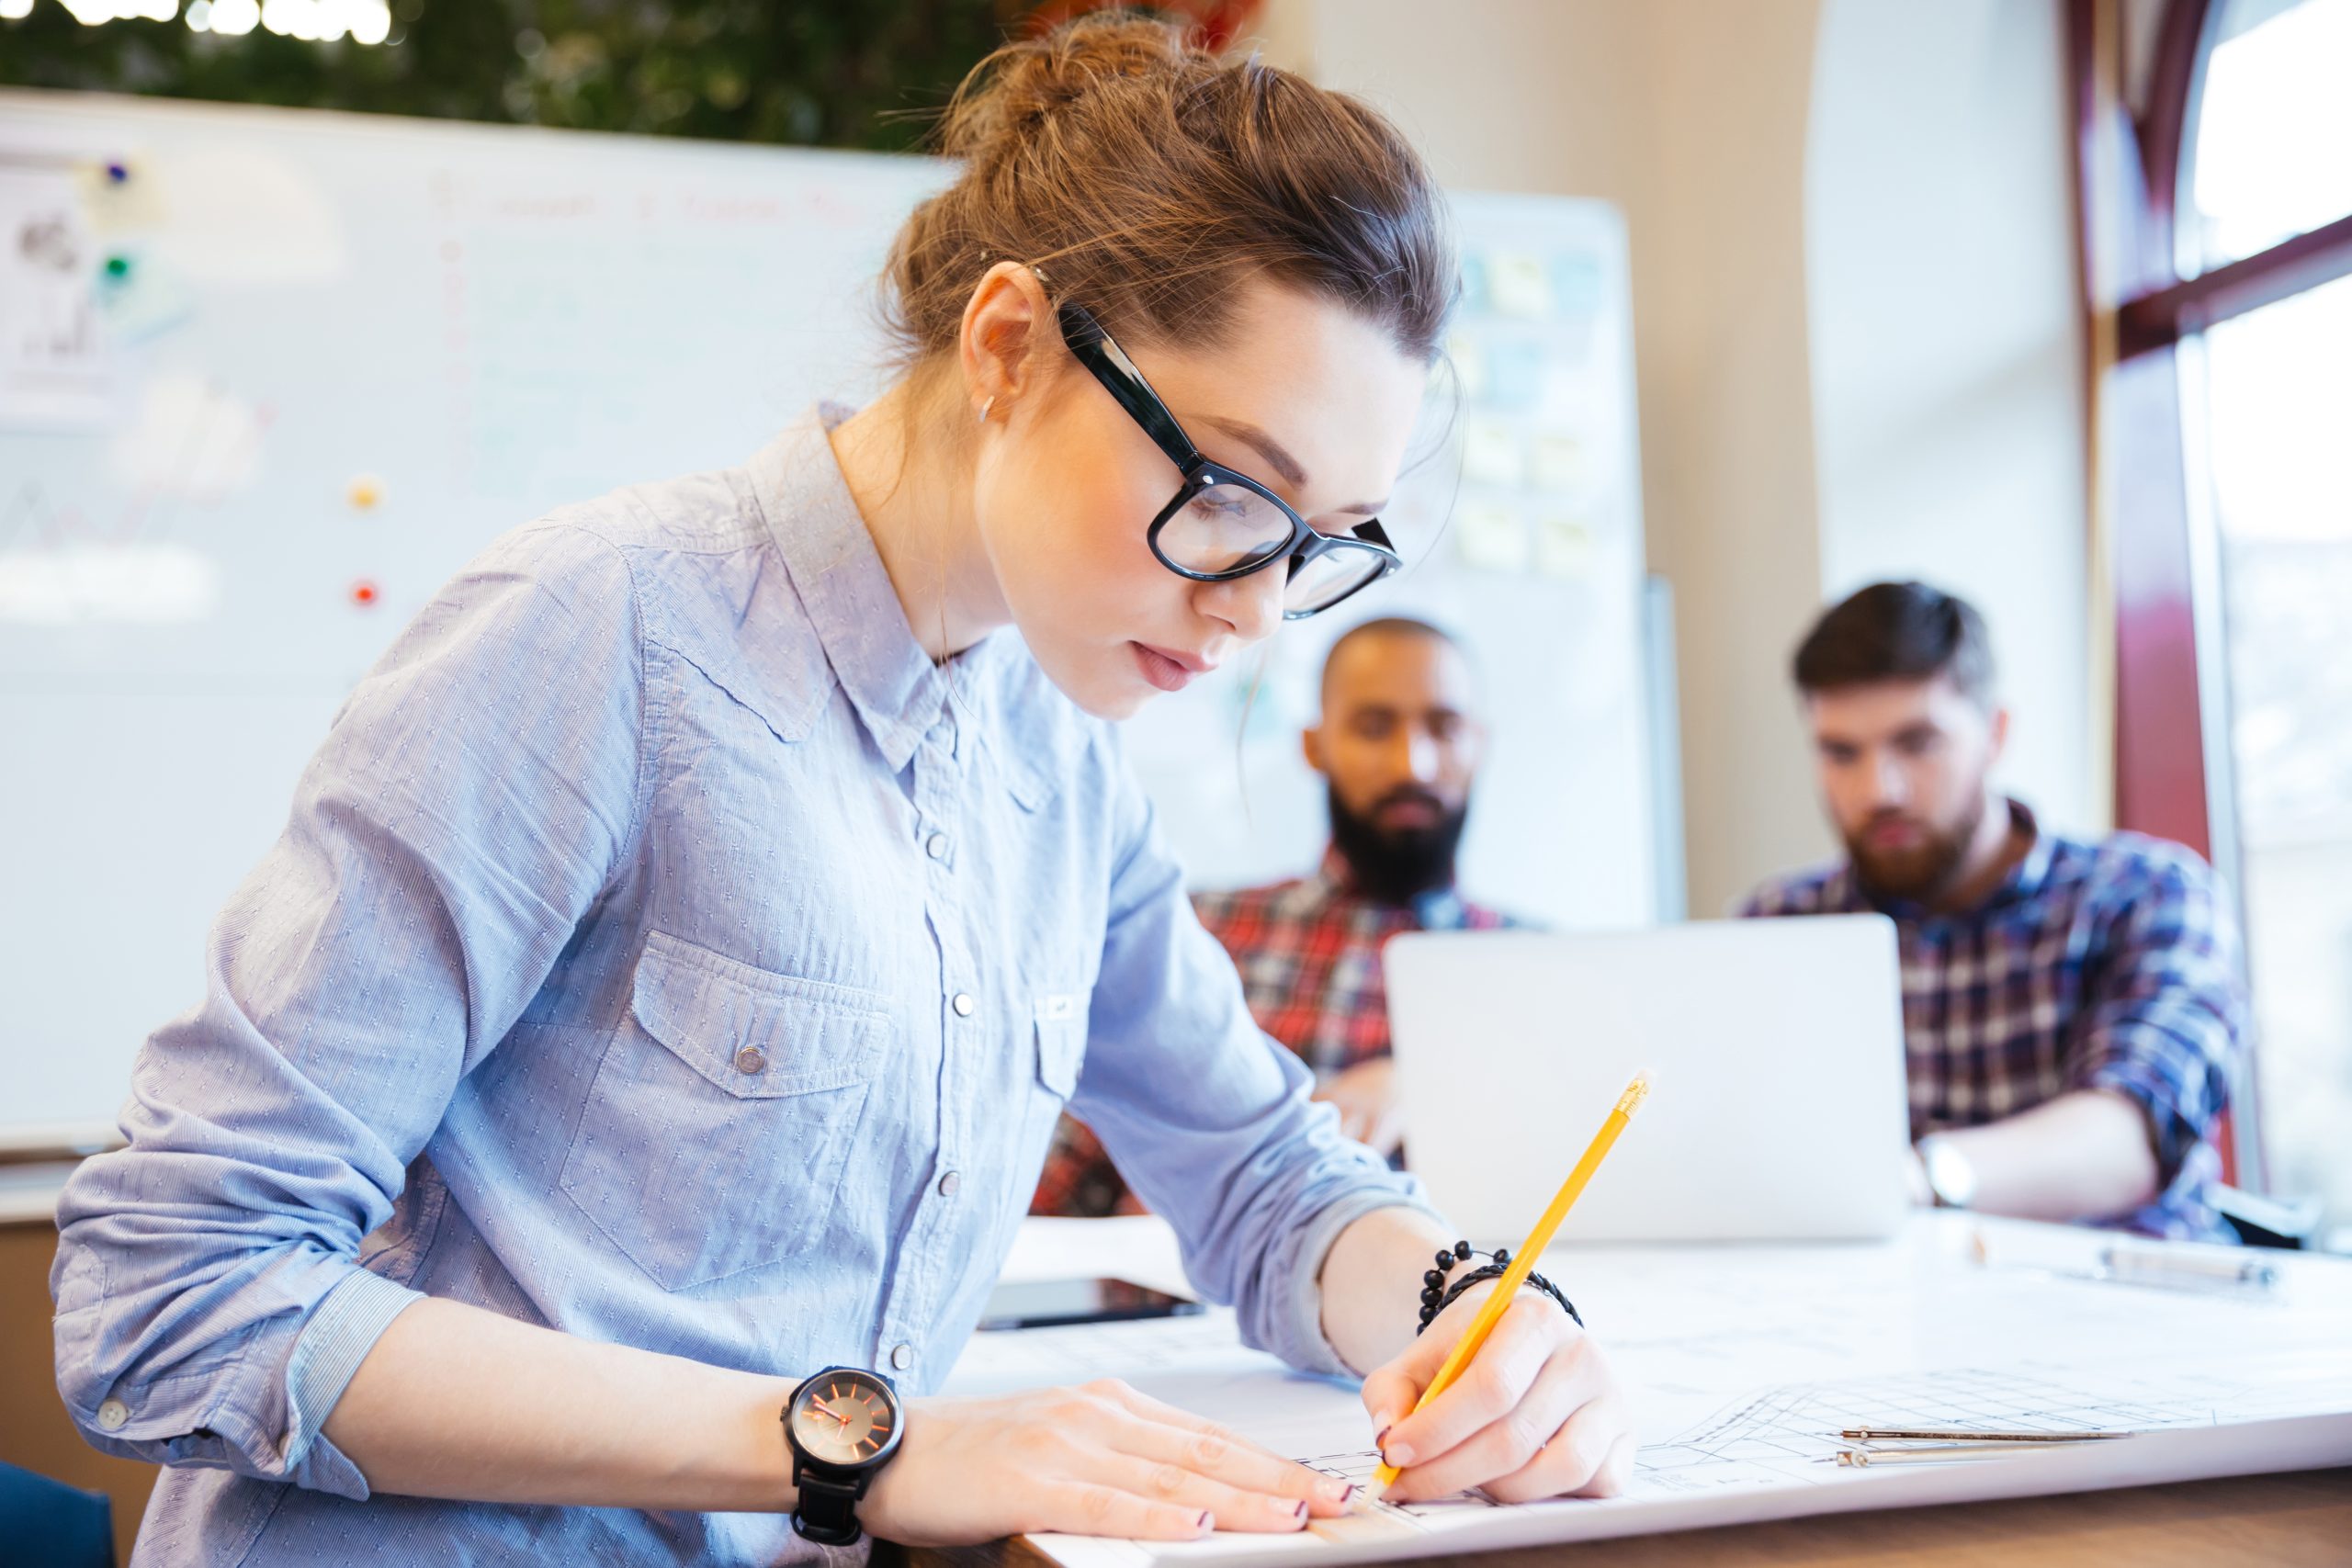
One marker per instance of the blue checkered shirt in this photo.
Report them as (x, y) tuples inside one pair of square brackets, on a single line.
[(2110, 965)]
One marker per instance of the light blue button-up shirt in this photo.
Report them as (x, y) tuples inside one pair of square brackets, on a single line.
[(654, 934)]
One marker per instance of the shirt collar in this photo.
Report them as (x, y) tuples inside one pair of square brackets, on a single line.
[(2032, 871), (891, 682)]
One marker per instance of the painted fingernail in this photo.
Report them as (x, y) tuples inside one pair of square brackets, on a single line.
[(1300, 1511), (1337, 1490), (1396, 1455), (1206, 1522)]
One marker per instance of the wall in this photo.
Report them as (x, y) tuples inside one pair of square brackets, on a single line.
[(1853, 323), (1946, 344), (1691, 117)]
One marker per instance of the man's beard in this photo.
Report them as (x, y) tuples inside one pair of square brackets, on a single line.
[(1395, 865), (1924, 871)]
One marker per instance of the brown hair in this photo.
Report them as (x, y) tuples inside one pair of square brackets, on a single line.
[(1148, 178), (1897, 631)]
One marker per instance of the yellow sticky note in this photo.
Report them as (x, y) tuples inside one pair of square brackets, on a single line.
[(1560, 463), (1490, 537), (1490, 453), (1518, 285), (1565, 547)]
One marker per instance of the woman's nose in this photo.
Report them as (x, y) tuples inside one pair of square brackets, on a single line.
[(1252, 605)]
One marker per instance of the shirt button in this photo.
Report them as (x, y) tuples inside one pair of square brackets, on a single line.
[(750, 1059), (949, 1183), (903, 1357), (112, 1415), (936, 846), (962, 1004)]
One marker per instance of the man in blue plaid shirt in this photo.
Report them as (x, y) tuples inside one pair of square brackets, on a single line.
[(2072, 1009)]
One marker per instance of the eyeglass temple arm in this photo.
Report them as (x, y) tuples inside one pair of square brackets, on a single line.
[(1102, 354)]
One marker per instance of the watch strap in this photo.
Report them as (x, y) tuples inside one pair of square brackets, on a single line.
[(827, 1512)]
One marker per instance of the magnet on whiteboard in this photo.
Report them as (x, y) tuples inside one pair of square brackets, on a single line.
[(365, 594), (364, 492)]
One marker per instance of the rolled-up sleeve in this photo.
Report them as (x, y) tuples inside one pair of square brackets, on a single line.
[(1208, 1118), (466, 805), (2166, 1008)]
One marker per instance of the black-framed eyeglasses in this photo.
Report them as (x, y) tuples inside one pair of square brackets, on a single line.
[(1222, 524)]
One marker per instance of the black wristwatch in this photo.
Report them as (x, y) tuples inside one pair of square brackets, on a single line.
[(844, 1425)]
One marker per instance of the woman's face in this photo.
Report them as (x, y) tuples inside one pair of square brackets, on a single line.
[(1305, 397)]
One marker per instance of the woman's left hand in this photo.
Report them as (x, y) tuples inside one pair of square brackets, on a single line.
[(1537, 1412)]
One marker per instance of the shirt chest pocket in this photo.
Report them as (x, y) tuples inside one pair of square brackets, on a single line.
[(721, 1118), (1061, 1042), (1059, 1031)]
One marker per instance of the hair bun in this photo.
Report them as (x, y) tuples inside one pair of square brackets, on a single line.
[(1155, 180), (1015, 91)]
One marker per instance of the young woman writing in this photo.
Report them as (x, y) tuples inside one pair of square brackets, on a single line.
[(688, 934)]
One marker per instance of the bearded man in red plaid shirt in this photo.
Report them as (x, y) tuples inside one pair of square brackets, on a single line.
[(1398, 746)]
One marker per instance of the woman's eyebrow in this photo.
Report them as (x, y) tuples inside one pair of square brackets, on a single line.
[(1284, 463)]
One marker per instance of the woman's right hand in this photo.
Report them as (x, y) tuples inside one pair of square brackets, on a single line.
[(1101, 1460)]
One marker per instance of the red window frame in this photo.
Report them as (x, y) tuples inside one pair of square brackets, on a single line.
[(2142, 315)]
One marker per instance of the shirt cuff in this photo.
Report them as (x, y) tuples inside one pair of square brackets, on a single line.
[(345, 1327), (2170, 1130), (1298, 1323)]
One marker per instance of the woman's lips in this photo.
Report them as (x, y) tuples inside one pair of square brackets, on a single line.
[(1161, 670)]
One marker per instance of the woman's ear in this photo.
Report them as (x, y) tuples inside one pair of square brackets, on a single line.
[(1006, 342)]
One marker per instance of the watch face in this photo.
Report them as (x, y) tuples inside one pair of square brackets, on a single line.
[(844, 1417)]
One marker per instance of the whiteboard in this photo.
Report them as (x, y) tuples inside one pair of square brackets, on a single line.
[(346, 351)]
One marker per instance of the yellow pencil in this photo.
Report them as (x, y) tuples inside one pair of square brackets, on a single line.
[(1523, 1262)]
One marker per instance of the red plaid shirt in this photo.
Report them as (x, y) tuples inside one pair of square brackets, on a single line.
[(1308, 953)]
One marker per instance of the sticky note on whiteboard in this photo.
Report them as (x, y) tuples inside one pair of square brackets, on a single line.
[(1517, 285), (1565, 547), (1490, 453), (1490, 537), (1560, 463), (1469, 361), (1515, 376)]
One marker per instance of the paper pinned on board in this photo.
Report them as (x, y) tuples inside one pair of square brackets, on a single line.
[(56, 367)]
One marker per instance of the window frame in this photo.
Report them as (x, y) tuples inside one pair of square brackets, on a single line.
[(2154, 536)]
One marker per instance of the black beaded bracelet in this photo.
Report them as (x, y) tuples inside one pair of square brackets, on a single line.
[(1437, 1296)]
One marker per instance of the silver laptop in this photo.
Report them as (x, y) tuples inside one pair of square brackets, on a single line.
[(1777, 1111)]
